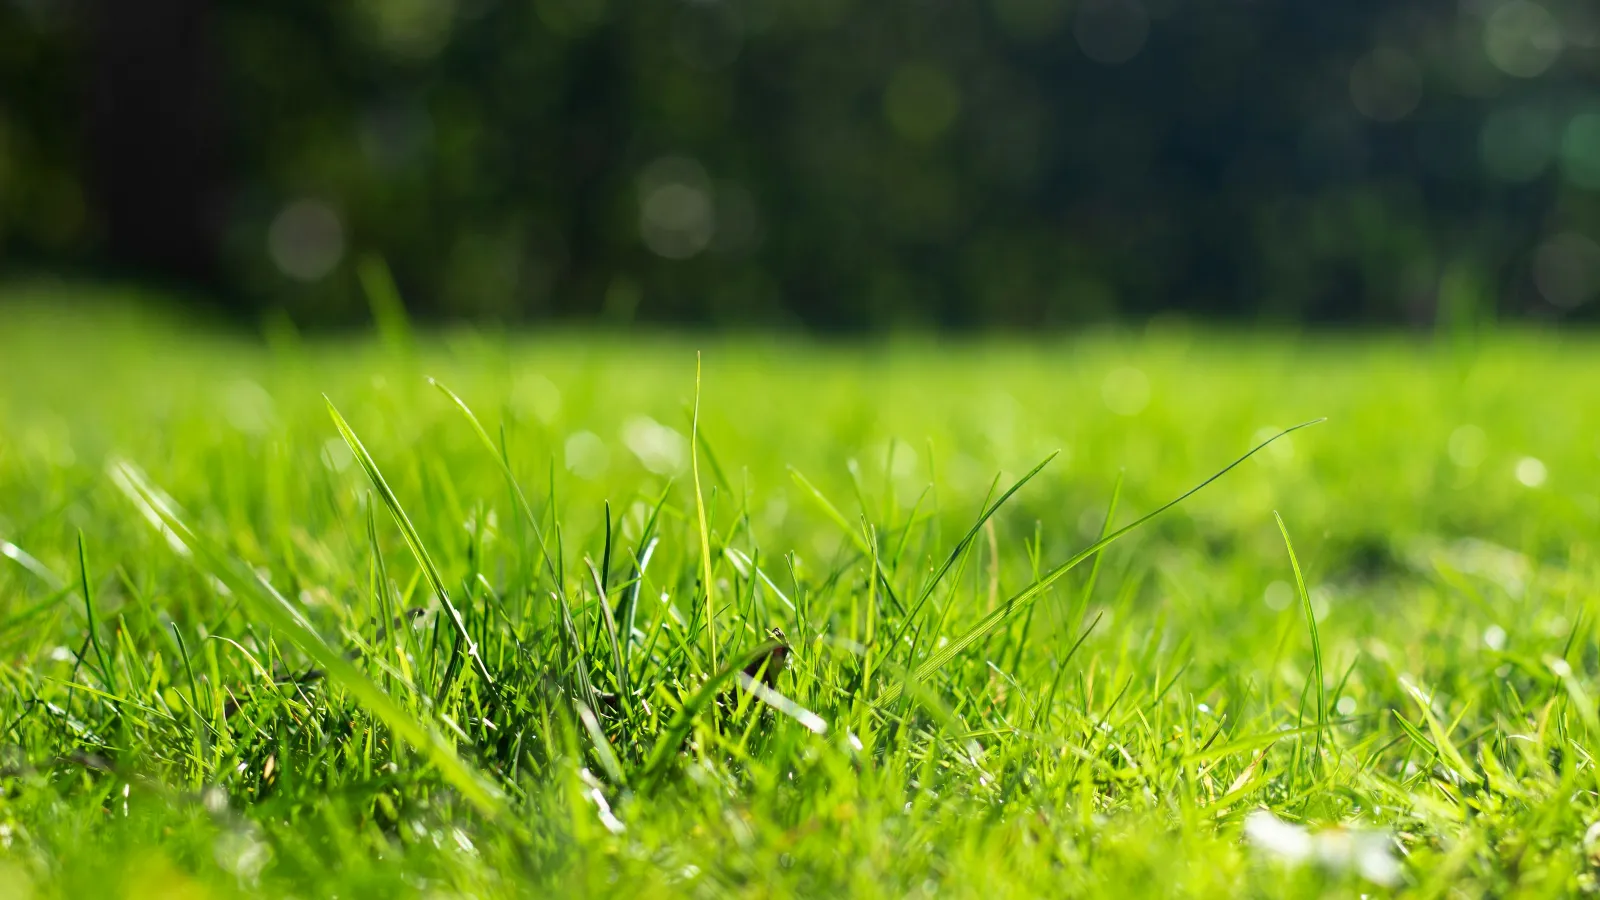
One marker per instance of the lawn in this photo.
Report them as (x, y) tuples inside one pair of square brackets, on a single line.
[(253, 646)]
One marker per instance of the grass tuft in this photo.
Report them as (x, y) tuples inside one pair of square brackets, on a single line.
[(592, 655)]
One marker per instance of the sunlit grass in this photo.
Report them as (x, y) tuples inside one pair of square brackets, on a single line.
[(285, 618)]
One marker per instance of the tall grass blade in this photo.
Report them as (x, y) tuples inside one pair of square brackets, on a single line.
[(700, 513), (1032, 592), (672, 737), (1316, 638), (388, 310), (266, 604), (413, 540), (498, 452)]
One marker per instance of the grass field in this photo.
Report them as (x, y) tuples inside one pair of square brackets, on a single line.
[(234, 662)]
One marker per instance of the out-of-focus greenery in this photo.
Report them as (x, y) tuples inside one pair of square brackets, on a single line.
[(845, 163)]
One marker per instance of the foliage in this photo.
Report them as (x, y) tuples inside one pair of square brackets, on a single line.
[(846, 164), (230, 667)]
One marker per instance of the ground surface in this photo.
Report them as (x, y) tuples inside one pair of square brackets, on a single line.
[(266, 695)]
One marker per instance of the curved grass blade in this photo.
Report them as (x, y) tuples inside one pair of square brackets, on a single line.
[(602, 745), (511, 478), (106, 673), (1028, 595), (26, 560), (678, 728), (961, 545), (700, 512), (808, 719), (829, 510), (1316, 639), (388, 310), (413, 540), (265, 603)]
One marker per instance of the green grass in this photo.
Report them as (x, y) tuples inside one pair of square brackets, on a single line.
[(283, 618)]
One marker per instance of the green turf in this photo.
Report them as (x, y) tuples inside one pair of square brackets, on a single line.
[(241, 655)]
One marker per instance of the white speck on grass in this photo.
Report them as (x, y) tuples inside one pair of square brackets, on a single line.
[(1278, 596), (1346, 706), (242, 854), (1275, 837), (1370, 854), (1531, 472), (1591, 837), (1494, 637), (1126, 391), (215, 800)]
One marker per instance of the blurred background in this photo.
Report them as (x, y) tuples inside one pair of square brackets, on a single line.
[(831, 165)]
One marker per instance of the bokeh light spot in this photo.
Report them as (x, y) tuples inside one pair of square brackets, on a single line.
[(535, 395), (306, 240), (660, 448), (1580, 150), (586, 455), (1518, 144), (677, 218), (1277, 453), (409, 29), (1531, 472), (1522, 38), (1566, 269)]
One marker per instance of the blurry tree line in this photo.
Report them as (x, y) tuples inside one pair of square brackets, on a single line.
[(840, 164)]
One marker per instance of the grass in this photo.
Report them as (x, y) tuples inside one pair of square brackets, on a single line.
[(284, 618)]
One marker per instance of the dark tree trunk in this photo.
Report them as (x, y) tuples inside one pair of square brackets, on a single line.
[(154, 137)]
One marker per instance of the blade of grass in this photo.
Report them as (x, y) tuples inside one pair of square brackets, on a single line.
[(388, 311), (1032, 592), (106, 672), (700, 513), (677, 729), (1311, 626), (26, 560), (413, 540), (272, 608)]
